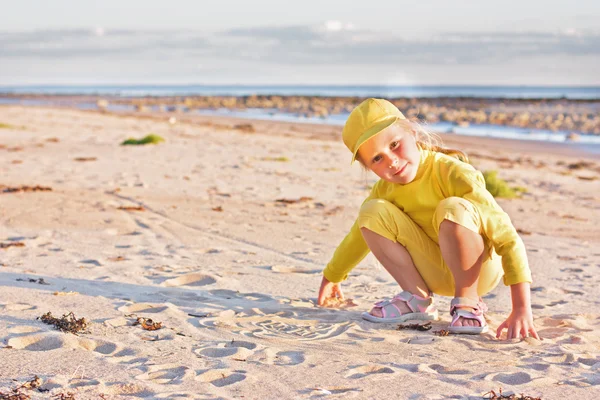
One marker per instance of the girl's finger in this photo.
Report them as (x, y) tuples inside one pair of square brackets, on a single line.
[(512, 332), (524, 332), (336, 292), (500, 329), (534, 333)]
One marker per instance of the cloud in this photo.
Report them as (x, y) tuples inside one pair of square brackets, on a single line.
[(97, 42), (331, 42)]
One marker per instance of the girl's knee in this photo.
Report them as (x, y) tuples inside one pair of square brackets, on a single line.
[(459, 211), (455, 203), (381, 217), (375, 208)]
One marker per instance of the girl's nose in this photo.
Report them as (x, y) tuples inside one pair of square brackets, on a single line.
[(394, 163)]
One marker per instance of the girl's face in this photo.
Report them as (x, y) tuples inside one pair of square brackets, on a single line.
[(392, 155)]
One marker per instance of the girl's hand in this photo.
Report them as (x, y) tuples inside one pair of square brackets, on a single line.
[(329, 290), (519, 323)]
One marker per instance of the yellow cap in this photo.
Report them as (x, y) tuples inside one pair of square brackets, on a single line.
[(366, 120)]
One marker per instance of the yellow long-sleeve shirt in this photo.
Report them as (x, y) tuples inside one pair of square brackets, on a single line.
[(439, 176)]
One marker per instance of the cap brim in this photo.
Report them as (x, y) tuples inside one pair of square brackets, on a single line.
[(374, 130)]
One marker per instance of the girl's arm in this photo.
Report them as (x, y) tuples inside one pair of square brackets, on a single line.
[(348, 254), (520, 321)]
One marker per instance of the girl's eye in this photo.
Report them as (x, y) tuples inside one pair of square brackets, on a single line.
[(394, 144), (376, 159)]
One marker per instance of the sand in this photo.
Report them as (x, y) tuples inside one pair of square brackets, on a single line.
[(233, 274)]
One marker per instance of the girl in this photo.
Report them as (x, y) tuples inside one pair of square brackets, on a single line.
[(432, 224)]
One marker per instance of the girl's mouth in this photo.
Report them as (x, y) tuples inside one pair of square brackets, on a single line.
[(400, 170)]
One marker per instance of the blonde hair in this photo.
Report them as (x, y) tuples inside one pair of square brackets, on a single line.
[(426, 140)]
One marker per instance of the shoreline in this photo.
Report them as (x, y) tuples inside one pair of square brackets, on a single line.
[(561, 116)]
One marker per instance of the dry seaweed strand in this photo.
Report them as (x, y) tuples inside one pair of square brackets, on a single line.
[(12, 244), (302, 199), (66, 323), (497, 396), (64, 396), (14, 394), (132, 208), (419, 327), (6, 189), (35, 383)]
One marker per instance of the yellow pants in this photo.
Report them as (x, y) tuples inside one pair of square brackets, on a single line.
[(387, 220)]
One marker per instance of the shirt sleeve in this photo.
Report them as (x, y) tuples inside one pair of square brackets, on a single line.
[(468, 183), (351, 251)]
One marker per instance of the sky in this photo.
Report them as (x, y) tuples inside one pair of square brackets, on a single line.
[(427, 42)]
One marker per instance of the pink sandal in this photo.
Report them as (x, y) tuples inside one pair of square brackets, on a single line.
[(456, 311), (421, 309)]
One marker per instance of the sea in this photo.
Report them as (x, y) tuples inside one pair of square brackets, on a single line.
[(588, 143)]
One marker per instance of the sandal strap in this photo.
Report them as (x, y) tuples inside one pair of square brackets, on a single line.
[(415, 304), (478, 306), (468, 315)]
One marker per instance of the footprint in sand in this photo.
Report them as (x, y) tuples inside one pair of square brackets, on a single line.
[(145, 308), (128, 389), (221, 377), (367, 370), (23, 329), (195, 279), (518, 378), (76, 383), (17, 307), (56, 340), (289, 358), (166, 373), (230, 294), (91, 262), (286, 269), (441, 369), (238, 349)]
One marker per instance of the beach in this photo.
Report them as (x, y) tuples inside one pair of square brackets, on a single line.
[(220, 233)]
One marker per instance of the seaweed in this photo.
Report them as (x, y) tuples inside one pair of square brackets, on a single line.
[(131, 208), (497, 396), (277, 159), (302, 199), (419, 327), (12, 244), (149, 139), (247, 128), (66, 323), (64, 396), (499, 188), (15, 393), (37, 188)]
